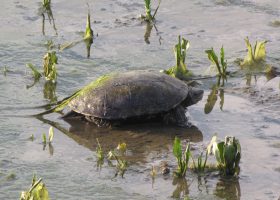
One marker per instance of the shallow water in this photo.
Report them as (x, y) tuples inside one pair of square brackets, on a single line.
[(251, 113)]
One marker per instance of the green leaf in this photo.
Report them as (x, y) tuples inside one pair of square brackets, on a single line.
[(148, 10), (177, 148), (259, 51), (214, 59), (219, 152), (51, 134), (36, 74)]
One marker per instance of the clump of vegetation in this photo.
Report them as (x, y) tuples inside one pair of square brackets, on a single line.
[(182, 157), (200, 164), (180, 70), (117, 155), (121, 165), (49, 68), (254, 56), (227, 153), (99, 154), (220, 65), (37, 191), (49, 65), (149, 17)]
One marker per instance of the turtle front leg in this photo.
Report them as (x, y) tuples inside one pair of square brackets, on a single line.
[(98, 121), (177, 116)]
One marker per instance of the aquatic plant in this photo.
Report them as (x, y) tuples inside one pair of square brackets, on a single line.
[(46, 9), (6, 70), (149, 17), (88, 37), (227, 153), (122, 164), (36, 74), (99, 152), (121, 147), (37, 191), (89, 32), (180, 70), (49, 66), (50, 136), (200, 165), (254, 56), (182, 158), (221, 65)]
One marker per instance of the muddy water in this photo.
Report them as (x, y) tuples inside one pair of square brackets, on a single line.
[(250, 111)]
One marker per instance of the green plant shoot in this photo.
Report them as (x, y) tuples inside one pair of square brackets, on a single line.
[(149, 17), (227, 153), (51, 134), (121, 147), (221, 66), (89, 32), (182, 158), (37, 191), (180, 70), (49, 65), (256, 55)]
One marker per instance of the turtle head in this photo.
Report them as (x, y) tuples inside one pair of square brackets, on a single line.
[(194, 96)]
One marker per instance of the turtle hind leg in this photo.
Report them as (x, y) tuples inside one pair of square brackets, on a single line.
[(177, 116)]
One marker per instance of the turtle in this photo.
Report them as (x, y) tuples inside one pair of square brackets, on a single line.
[(134, 96)]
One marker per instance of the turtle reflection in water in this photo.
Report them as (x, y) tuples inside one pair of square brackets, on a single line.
[(132, 97)]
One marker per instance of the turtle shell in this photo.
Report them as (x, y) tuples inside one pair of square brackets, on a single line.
[(130, 94)]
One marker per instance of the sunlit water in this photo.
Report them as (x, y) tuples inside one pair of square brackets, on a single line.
[(69, 172)]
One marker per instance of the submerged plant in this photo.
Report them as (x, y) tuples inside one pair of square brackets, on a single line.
[(254, 56), (37, 191), (180, 70), (221, 65), (227, 153), (182, 157)]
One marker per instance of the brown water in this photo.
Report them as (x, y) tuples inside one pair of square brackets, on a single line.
[(251, 113)]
